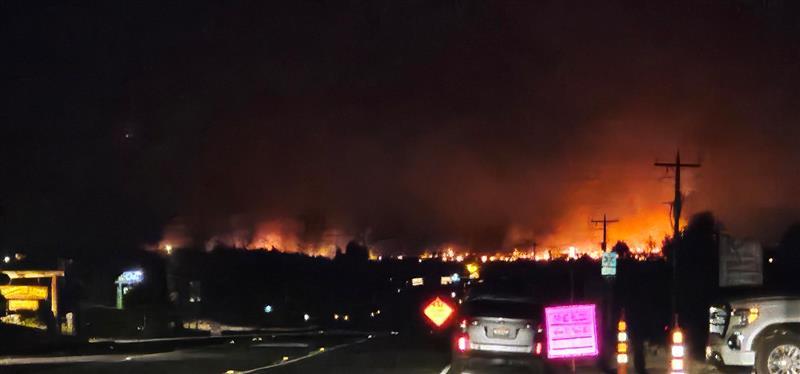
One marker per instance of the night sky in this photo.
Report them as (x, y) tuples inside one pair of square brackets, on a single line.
[(421, 122)]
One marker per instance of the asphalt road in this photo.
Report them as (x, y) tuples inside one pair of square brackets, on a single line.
[(323, 353)]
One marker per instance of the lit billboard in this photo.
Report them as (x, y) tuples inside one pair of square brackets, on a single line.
[(571, 331)]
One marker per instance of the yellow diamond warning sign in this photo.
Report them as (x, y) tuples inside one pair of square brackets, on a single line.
[(438, 311)]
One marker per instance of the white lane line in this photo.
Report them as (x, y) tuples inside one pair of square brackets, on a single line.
[(110, 358), (445, 370), (301, 358), (60, 360), (190, 338)]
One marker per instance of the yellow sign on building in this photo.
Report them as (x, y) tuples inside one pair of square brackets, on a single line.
[(15, 305), (24, 292)]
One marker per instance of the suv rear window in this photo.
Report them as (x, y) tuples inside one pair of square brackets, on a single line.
[(500, 308)]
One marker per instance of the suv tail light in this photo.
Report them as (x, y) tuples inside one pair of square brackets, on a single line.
[(462, 343), (538, 337)]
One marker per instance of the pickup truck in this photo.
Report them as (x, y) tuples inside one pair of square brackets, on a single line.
[(759, 332)]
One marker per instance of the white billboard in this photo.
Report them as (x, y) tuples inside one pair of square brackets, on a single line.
[(741, 262)]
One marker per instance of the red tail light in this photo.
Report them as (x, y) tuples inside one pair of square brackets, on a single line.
[(538, 335), (462, 343)]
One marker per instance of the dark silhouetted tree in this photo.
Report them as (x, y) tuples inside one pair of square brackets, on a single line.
[(622, 249), (339, 253), (356, 252), (790, 242), (697, 275)]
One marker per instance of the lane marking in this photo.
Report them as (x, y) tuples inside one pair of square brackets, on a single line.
[(301, 358), (60, 359), (445, 370), (190, 338), (119, 357)]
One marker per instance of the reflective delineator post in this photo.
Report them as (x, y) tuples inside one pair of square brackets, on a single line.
[(622, 347), (677, 362)]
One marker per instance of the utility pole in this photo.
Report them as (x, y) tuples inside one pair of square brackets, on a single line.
[(677, 205), (608, 314), (605, 223)]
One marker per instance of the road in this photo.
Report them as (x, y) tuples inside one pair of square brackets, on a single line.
[(323, 353)]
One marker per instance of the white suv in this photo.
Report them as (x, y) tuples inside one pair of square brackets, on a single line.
[(762, 332)]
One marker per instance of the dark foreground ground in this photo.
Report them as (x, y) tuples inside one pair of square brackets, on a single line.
[(320, 353)]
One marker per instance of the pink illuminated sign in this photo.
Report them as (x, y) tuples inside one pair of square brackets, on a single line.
[(571, 331)]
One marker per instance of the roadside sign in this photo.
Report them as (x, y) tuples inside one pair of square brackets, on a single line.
[(24, 292), (571, 331), (740, 262), (438, 311), (609, 264)]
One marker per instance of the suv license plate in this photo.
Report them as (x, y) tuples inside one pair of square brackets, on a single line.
[(502, 331)]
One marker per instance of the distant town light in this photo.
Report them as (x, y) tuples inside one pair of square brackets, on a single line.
[(268, 309), (771, 260), (306, 317), (168, 248), (7, 259)]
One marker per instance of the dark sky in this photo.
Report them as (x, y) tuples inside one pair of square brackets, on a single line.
[(482, 123)]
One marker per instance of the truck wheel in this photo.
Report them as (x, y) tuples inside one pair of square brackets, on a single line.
[(778, 355)]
